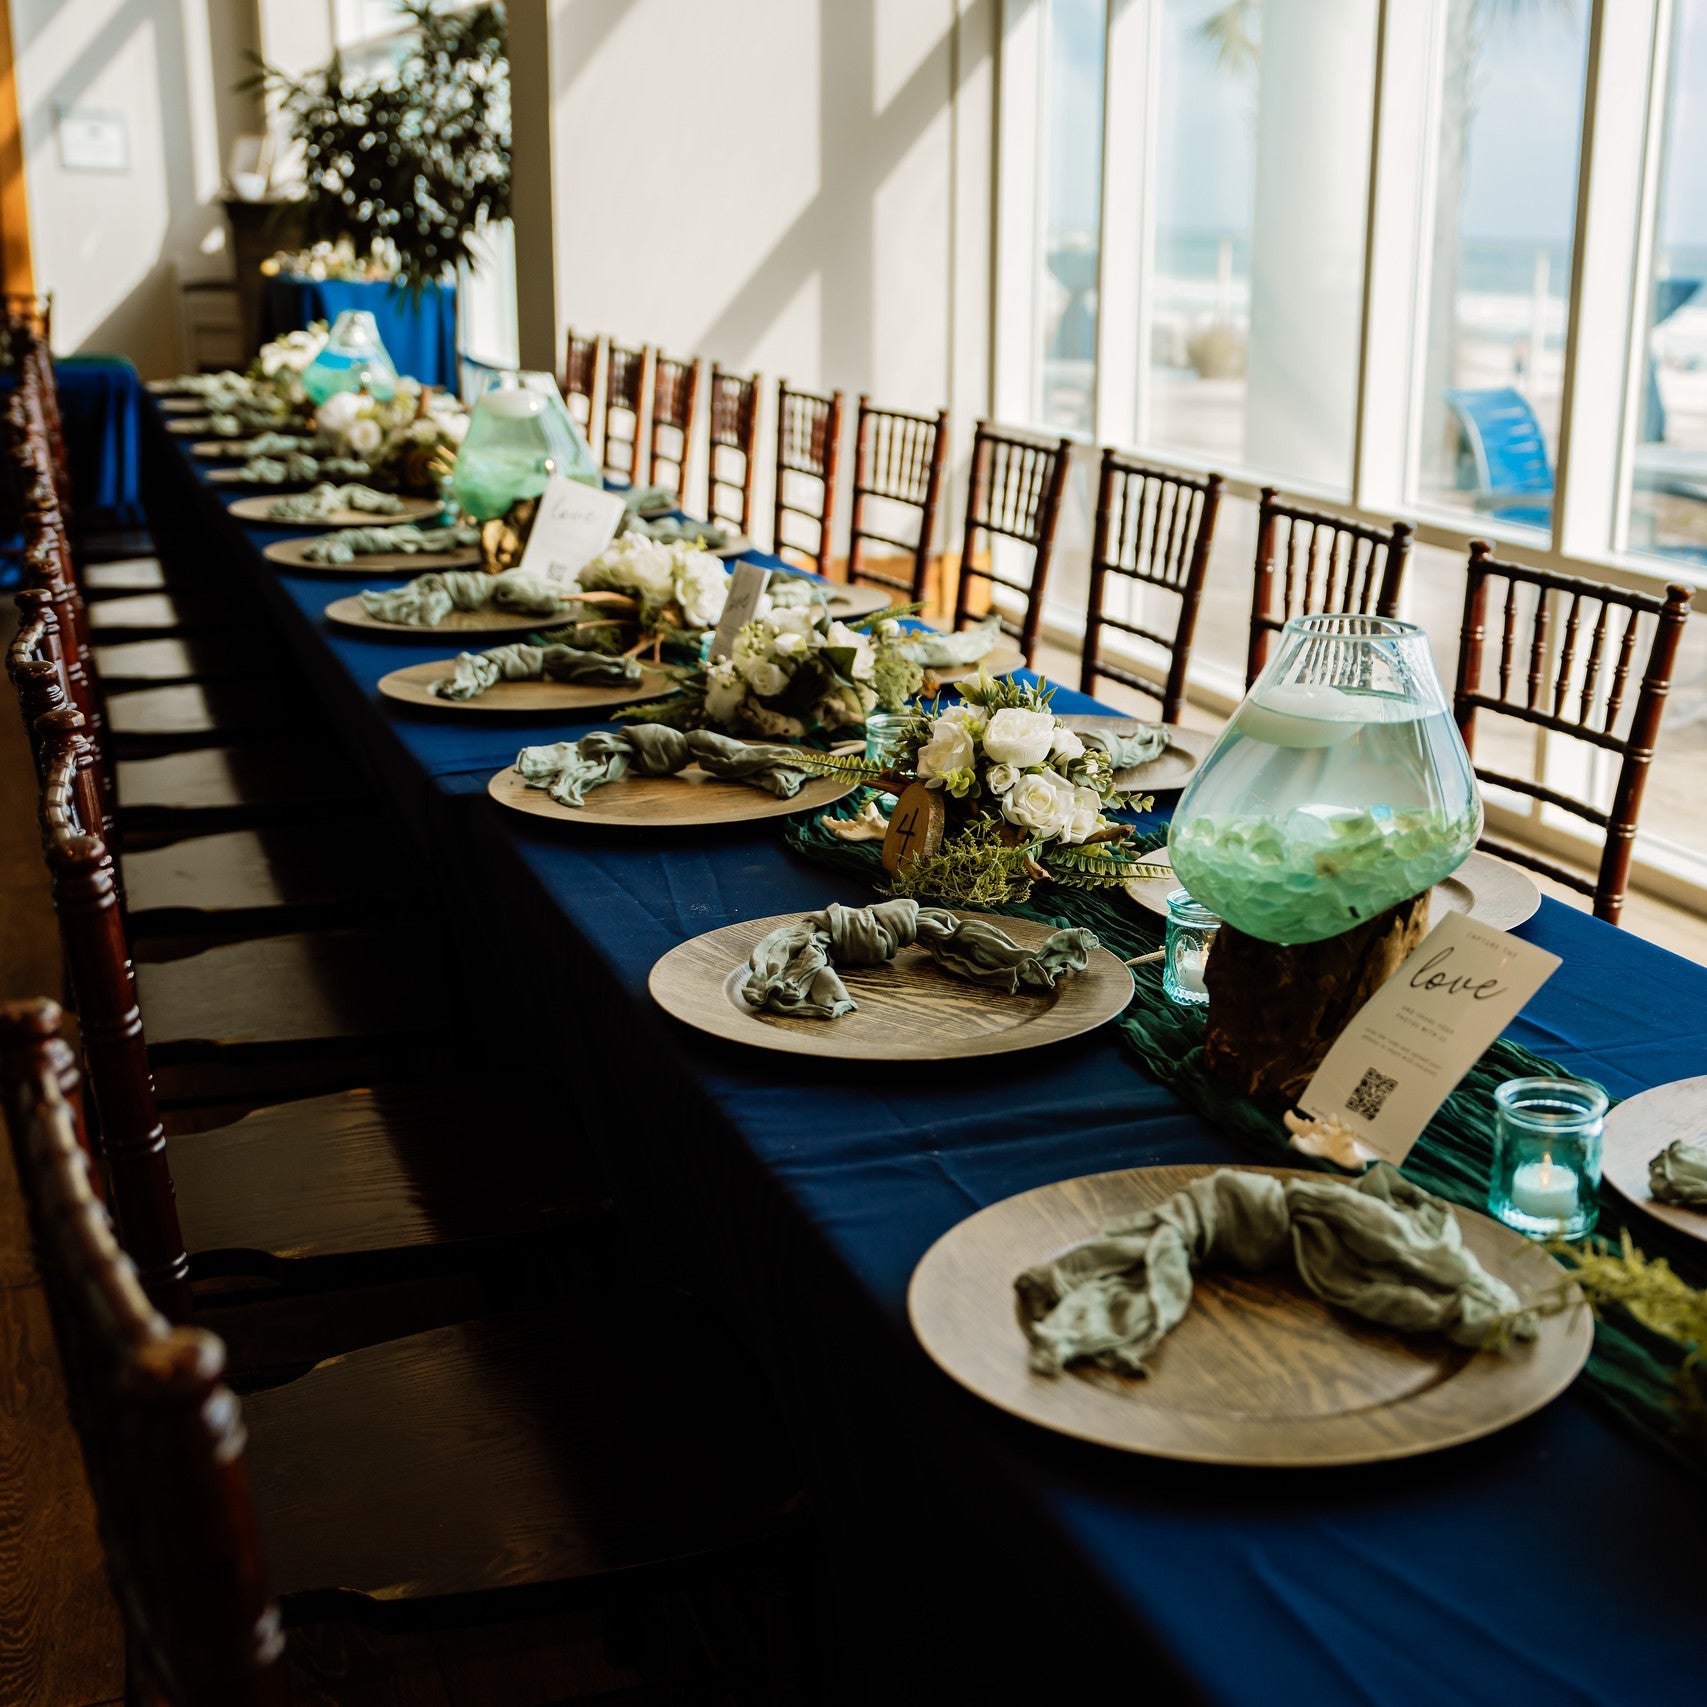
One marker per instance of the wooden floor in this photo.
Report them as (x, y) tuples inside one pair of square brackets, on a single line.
[(733, 1641)]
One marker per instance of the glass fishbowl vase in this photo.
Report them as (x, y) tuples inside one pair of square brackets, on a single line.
[(519, 435), (1339, 788), (353, 358)]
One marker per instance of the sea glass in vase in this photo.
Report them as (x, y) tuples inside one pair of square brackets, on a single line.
[(353, 358), (1339, 788), (519, 435)]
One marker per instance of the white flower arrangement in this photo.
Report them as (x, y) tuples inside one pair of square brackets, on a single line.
[(401, 443), (675, 585), (792, 672)]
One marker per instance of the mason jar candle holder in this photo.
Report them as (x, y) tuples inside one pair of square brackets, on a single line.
[(883, 735), (1191, 931), (1547, 1142)]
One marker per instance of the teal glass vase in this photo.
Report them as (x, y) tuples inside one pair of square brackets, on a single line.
[(519, 435), (1339, 788), (353, 359)]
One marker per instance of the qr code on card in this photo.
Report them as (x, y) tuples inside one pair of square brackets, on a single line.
[(1370, 1094)]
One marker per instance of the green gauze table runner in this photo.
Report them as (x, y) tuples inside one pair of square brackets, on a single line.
[(1381, 1248), (475, 672), (567, 769), (792, 971), (1631, 1368)]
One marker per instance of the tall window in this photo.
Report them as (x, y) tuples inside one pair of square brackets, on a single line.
[(1510, 100), (1258, 193), (1668, 468), (1069, 217)]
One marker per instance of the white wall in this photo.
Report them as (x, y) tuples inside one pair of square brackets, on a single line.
[(777, 185), (111, 246)]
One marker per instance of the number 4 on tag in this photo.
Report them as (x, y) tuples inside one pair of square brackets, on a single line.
[(915, 826)]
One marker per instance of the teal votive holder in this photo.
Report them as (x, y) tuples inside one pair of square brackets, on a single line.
[(1191, 932), (1545, 1182)]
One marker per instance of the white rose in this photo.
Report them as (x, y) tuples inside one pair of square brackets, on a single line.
[(363, 438), (1000, 778), (702, 588), (948, 749), (454, 427), (864, 658), (1066, 745), (970, 717), (765, 679), (888, 628), (1087, 815), (1015, 737), (1040, 801), (790, 645), (794, 619), (339, 412)]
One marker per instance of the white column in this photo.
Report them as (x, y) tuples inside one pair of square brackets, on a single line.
[(1312, 149)]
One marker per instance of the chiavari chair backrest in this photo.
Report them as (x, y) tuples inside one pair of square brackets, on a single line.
[(808, 442), (734, 436), (1567, 650), (161, 1433), (90, 910), (675, 397), (32, 663), (1015, 493), (898, 461), (1311, 561), (581, 380), (624, 448), (1154, 528)]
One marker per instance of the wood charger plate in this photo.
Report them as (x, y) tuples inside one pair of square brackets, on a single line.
[(289, 553), (909, 1008), (236, 477), (690, 798), (221, 448), (414, 686), (348, 613), (846, 603), (1638, 1129), (1171, 769), (259, 509), (1260, 1371), (184, 425), (1001, 660), (1483, 888), (189, 404)]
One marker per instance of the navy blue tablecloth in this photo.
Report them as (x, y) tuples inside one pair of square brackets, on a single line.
[(1559, 1561), (419, 334)]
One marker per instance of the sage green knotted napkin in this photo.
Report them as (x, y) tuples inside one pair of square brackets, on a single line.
[(639, 498), (296, 466), (427, 600), (475, 672), (407, 539), (1678, 1174), (1379, 1247), (279, 444), (954, 651), (792, 971), (325, 499), (567, 769), (668, 530), (1128, 749)]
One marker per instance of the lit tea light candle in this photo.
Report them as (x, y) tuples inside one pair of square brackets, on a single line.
[(1544, 1190), (1188, 971)]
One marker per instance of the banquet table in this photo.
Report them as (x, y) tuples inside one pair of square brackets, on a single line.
[(419, 334), (973, 1556)]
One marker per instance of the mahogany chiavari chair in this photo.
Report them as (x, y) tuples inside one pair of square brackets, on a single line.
[(1015, 493), (675, 397), (734, 436), (808, 440), (1322, 562), (1566, 652), (354, 1184), (581, 381), (1154, 528), (627, 373), (461, 1475), (898, 461)]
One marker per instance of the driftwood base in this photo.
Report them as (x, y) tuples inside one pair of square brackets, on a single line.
[(1274, 1012)]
